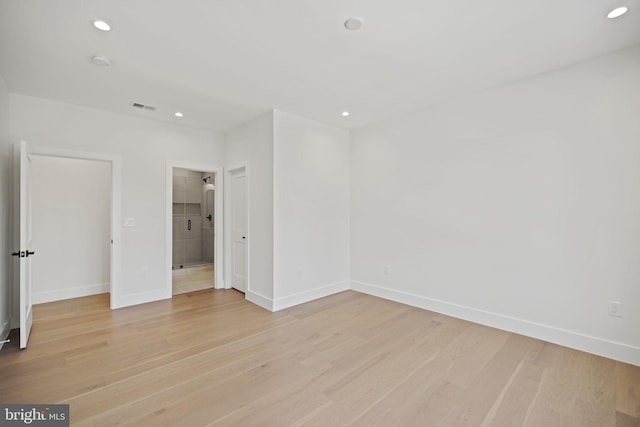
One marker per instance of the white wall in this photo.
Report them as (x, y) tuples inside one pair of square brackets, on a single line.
[(298, 173), (252, 145), (144, 146), (6, 261), (71, 207), (311, 210), (517, 207)]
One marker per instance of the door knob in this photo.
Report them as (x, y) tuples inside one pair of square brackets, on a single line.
[(30, 253)]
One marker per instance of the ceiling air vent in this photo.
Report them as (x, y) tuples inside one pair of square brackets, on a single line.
[(143, 106)]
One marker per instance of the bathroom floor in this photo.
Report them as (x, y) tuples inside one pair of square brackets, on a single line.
[(193, 279)]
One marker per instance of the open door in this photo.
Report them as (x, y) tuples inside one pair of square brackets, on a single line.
[(25, 252)]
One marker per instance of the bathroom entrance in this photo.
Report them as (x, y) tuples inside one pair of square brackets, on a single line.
[(194, 237)]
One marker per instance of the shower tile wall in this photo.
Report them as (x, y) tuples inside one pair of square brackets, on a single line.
[(187, 219)]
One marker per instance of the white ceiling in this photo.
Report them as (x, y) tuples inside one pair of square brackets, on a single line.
[(225, 62)]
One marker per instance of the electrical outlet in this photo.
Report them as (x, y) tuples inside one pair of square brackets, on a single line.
[(386, 269), (615, 309)]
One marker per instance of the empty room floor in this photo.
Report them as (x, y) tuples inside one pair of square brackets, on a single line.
[(211, 358), (192, 279)]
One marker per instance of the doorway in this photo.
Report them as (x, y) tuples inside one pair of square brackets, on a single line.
[(193, 227), (193, 250), (70, 214), (23, 236)]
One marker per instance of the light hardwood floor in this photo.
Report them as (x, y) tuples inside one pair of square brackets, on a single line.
[(210, 358), (192, 279)]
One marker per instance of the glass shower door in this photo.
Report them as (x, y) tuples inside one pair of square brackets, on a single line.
[(208, 226)]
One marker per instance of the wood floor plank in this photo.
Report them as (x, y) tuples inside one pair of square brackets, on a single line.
[(514, 409), (628, 389), (210, 358), (484, 396), (596, 392), (624, 420)]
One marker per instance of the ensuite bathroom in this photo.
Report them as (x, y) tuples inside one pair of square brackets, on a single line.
[(193, 230)]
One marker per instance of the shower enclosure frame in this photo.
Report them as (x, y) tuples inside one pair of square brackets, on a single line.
[(217, 172)]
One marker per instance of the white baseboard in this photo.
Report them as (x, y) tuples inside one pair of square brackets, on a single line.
[(590, 344), (138, 298), (68, 293), (4, 332), (313, 294), (219, 284), (260, 300)]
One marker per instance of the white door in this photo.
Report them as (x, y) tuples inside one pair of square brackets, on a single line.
[(25, 252), (239, 225)]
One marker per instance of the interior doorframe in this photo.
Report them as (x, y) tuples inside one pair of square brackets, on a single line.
[(229, 258), (115, 270), (218, 212)]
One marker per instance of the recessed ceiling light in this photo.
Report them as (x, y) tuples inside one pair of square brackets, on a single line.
[(345, 113), (100, 61), (354, 23), (102, 26), (618, 11), (178, 114)]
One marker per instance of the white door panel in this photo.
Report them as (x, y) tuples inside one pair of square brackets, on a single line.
[(25, 252), (239, 226)]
